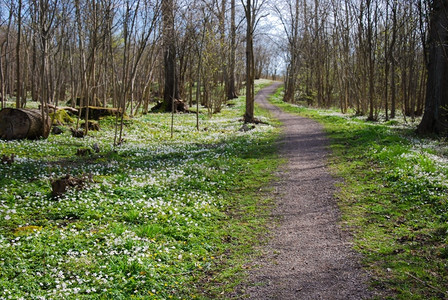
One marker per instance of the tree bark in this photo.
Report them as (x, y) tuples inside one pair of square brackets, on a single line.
[(231, 90), (171, 90), (291, 78), (23, 124), (435, 118), (2, 79), (393, 60), (19, 34), (250, 97)]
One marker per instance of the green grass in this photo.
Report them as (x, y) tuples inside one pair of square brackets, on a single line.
[(160, 218), (394, 199)]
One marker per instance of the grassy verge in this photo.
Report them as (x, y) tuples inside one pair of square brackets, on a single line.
[(394, 199), (158, 218)]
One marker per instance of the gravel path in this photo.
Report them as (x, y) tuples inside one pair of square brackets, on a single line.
[(308, 256)]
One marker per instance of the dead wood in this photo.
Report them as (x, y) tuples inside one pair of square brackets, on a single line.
[(62, 185), (8, 159), (94, 126), (83, 152), (95, 113), (56, 130), (19, 123), (68, 109), (181, 106), (77, 133)]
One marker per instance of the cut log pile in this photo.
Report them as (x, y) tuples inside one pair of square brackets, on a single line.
[(19, 123)]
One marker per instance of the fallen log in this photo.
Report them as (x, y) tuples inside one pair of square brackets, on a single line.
[(95, 113), (61, 117), (19, 123)]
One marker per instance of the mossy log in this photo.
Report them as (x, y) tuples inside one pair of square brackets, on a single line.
[(95, 113), (61, 117), (19, 123)]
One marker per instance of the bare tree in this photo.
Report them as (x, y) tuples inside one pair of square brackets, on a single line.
[(231, 89), (19, 35), (171, 86), (139, 22), (252, 9), (46, 12), (291, 28)]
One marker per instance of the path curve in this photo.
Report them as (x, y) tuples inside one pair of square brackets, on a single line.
[(308, 255)]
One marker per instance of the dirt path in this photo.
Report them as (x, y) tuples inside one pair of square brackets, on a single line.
[(308, 256)]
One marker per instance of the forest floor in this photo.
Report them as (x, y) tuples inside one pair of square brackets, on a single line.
[(154, 217), (308, 255), (188, 216)]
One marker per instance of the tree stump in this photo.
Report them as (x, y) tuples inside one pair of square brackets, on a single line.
[(62, 185), (57, 130), (83, 152), (94, 126), (19, 123), (77, 133), (8, 159)]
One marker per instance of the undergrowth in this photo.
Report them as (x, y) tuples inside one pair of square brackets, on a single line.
[(394, 199), (159, 218)]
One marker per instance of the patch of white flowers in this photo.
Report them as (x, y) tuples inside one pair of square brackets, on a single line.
[(144, 182)]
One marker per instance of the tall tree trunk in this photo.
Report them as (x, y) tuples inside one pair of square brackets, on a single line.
[(231, 89), (2, 79), (290, 85), (386, 64), (7, 76), (393, 90), (435, 118), (250, 93), (34, 81), (392, 59), (371, 60), (19, 34), (318, 60), (223, 46), (171, 90)]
